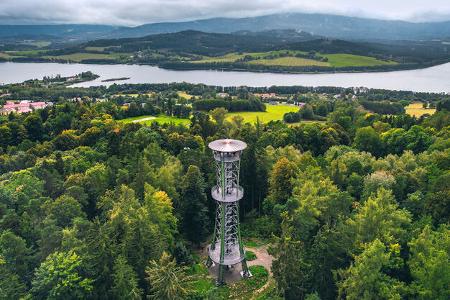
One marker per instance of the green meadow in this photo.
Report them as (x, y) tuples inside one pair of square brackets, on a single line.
[(272, 113), (269, 59)]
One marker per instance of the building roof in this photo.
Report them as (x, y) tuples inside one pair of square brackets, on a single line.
[(23, 106), (227, 145)]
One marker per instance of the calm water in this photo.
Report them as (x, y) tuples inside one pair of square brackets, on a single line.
[(434, 79)]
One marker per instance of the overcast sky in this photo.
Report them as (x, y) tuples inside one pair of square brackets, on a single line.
[(135, 12)]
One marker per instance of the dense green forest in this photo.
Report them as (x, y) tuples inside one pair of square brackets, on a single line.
[(353, 206)]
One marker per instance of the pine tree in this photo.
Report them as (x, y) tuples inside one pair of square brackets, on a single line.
[(167, 280), (289, 267), (193, 206), (125, 282)]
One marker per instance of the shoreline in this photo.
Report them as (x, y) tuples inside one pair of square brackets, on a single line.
[(190, 67)]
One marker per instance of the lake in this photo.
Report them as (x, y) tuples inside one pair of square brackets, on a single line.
[(433, 79)]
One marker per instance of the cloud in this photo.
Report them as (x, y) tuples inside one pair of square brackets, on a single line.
[(134, 12)]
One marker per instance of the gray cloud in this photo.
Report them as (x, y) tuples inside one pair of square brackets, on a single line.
[(134, 12)]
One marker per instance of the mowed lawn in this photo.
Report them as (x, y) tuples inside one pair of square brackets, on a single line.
[(416, 109), (272, 113), (161, 119)]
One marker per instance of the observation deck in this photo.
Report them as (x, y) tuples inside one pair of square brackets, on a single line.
[(233, 195)]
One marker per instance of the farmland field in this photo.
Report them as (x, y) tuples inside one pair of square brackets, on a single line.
[(416, 109), (98, 49), (230, 57), (78, 57), (289, 59), (272, 113)]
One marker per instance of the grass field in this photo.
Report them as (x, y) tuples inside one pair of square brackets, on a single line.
[(161, 119), (77, 57), (416, 109), (272, 113), (230, 57), (350, 60), (289, 61), (99, 49), (26, 53), (266, 58), (40, 44), (184, 95)]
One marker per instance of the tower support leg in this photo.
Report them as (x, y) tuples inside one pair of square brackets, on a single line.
[(208, 262), (220, 281), (245, 273)]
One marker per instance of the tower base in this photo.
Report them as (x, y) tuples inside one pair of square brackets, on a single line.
[(247, 274), (230, 274)]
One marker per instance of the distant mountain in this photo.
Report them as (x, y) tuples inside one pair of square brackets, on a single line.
[(341, 27), (66, 31), (318, 24)]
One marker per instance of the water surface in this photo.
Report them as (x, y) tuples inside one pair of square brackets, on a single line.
[(433, 79)]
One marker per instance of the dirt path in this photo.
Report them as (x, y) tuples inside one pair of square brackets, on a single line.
[(263, 258), (262, 289), (143, 119)]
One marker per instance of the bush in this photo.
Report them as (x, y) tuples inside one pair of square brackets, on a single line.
[(383, 107), (291, 117), (250, 255)]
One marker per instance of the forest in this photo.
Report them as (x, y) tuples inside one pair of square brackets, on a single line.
[(353, 205)]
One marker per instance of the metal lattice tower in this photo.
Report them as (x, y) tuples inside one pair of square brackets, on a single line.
[(226, 248)]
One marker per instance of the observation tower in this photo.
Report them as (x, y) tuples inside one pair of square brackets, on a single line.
[(226, 248)]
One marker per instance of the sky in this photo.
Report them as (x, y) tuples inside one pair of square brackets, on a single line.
[(136, 12)]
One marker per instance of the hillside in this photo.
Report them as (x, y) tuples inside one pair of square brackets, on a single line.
[(321, 24), (268, 51), (275, 51)]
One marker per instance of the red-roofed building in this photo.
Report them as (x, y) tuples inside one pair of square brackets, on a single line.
[(23, 106)]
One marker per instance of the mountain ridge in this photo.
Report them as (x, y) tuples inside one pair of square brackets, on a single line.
[(334, 26)]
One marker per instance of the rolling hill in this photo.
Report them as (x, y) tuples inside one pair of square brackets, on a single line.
[(274, 51), (342, 27)]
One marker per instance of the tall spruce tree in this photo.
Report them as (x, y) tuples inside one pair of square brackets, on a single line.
[(194, 209)]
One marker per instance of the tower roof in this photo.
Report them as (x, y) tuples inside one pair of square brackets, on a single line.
[(227, 145)]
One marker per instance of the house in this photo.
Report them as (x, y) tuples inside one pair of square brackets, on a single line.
[(222, 95), (266, 96), (299, 104), (24, 106)]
